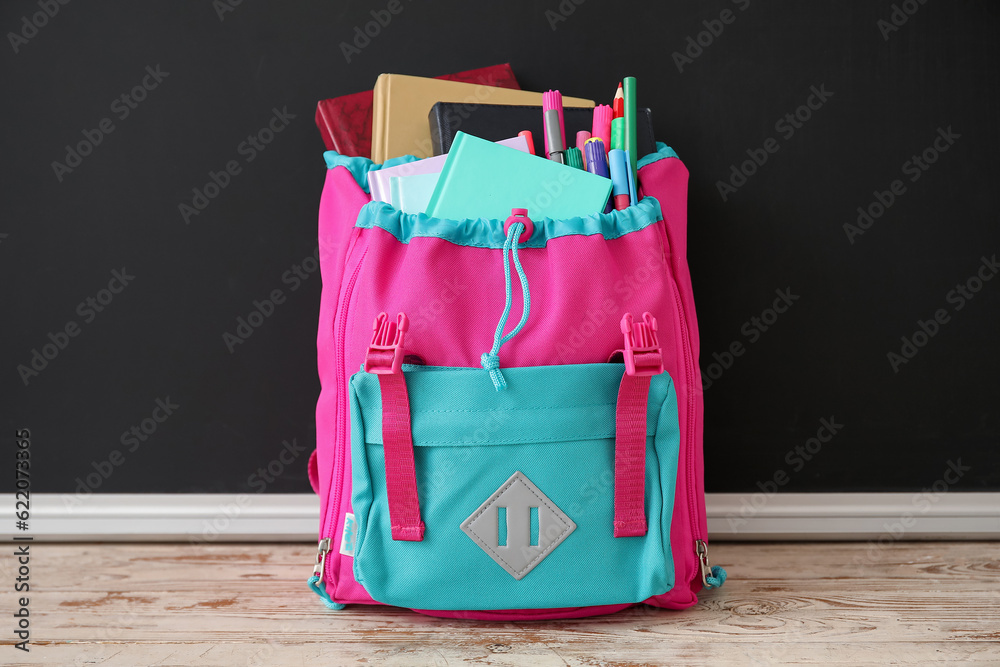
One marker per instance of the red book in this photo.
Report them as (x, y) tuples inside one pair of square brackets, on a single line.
[(345, 122)]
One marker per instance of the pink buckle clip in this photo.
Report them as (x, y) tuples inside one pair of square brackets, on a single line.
[(643, 354), (385, 354)]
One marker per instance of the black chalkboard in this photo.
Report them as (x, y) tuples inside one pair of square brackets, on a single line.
[(843, 229)]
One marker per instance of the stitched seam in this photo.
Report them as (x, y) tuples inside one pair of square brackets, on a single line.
[(561, 438), (509, 409)]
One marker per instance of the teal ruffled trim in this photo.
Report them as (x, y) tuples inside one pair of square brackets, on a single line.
[(485, 233), (662, 151), (360, 166), (330, 604)]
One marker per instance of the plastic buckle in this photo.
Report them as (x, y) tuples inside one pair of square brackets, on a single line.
[(385, 354), (519, 215), (643, 354)]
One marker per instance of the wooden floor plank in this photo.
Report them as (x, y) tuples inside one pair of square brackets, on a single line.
[(156, 617), (332, 654), (246, 604)]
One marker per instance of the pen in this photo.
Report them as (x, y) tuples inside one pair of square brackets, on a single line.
[(531, 142), (633, 191), (552, 101), (619, 178), (602, 124), (554, 148)]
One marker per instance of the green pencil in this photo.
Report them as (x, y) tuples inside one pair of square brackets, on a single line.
[(631, 140)]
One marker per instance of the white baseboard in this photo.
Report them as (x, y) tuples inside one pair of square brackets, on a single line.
[(140, 517), (854, 516), (295, 517)]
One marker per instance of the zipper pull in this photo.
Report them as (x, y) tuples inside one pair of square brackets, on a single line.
[(711, 577), (706, 570), (321, 551)]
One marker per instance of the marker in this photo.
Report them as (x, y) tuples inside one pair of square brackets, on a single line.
[(619, 179), (581, 139), (631, 138), (597, 159), (602, 124), (554, 148), (552, 100), (574, 158), (618, 134), (619, 102), (531, 142)]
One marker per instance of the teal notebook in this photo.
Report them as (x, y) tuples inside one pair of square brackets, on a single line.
[(410, 194), (481, 179)]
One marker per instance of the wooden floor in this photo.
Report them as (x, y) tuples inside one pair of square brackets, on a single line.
[(247, 604)]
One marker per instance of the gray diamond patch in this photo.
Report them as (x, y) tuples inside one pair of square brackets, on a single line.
[(518, 526)]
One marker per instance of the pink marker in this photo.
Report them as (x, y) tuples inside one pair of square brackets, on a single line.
[(581, 139), (552, 99), (531, 142), (602, 124)]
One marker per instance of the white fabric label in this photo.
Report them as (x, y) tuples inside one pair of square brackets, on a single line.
[(347, 539)]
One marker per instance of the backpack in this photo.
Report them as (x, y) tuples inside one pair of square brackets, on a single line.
[(472, 467)]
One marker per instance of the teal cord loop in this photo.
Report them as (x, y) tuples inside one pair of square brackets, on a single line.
[(491, 360), (320, 591), (717, 578)]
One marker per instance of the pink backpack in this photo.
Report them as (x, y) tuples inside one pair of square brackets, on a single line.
[(471, 467)]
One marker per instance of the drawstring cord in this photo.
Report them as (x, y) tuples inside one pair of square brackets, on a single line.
[(491, 360)]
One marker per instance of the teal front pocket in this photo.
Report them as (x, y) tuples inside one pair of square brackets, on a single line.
[(516, 490)]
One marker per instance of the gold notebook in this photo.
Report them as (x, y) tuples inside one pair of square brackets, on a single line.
[(400, 123)]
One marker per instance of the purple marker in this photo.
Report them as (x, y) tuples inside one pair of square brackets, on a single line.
[(597, 158)]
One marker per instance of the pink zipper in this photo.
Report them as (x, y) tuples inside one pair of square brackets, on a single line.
[(696, 509), (692, 414), (695, 513), (333, 509)]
